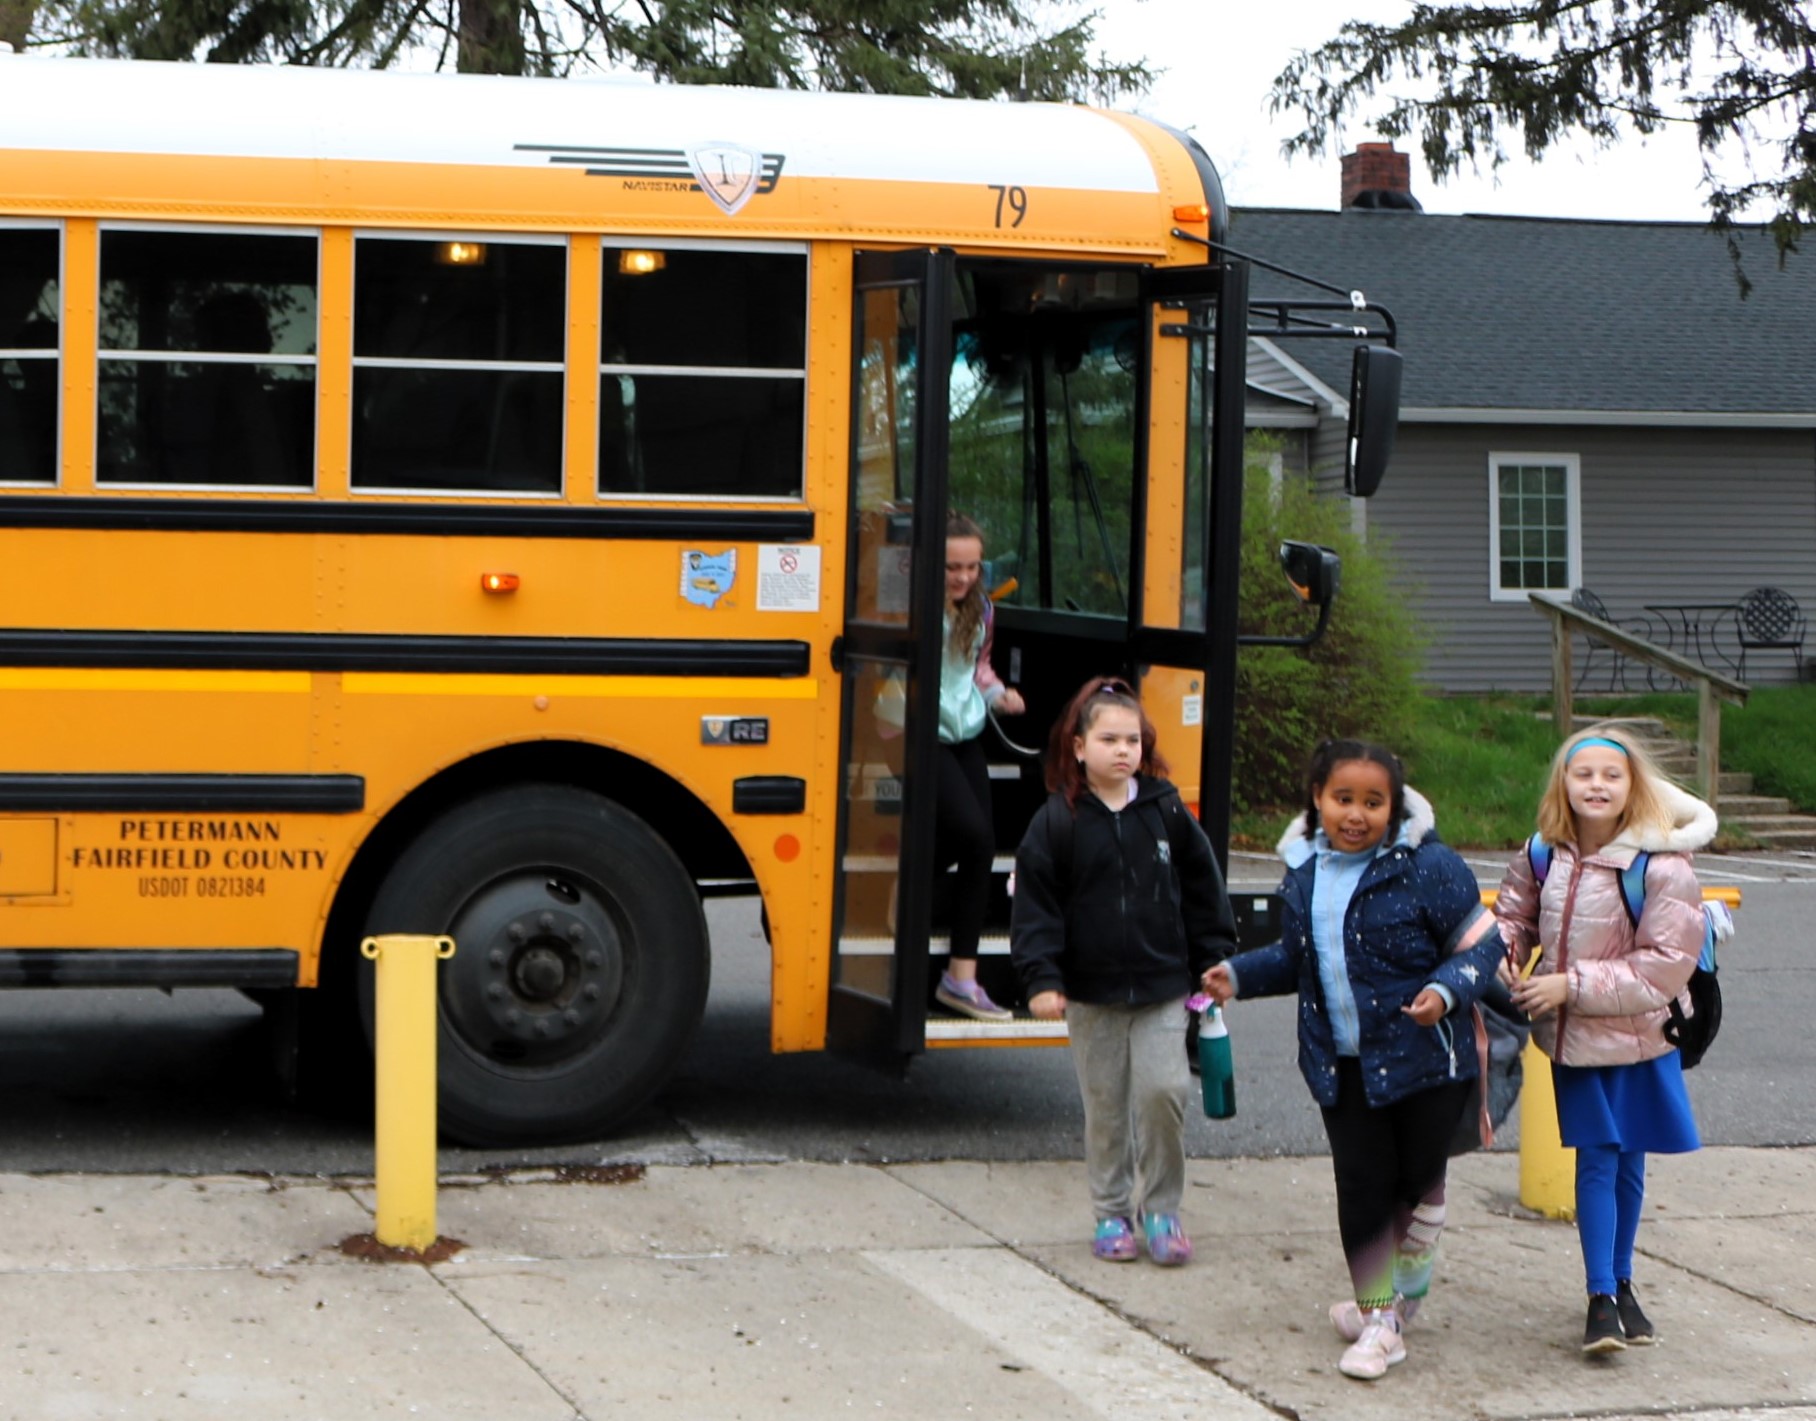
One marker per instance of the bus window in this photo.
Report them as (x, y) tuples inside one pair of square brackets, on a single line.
[(703, 372), (206, 372), (457, 364), (28, 354), (1044, 405)]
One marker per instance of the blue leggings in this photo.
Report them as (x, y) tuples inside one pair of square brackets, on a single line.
[(1610, 1189)]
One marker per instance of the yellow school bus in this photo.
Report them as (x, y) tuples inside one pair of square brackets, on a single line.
[(495, 507)]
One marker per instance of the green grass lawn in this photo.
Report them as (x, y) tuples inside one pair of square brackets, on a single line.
[(1482, 760)]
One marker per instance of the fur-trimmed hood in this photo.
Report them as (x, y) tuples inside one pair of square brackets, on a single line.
[(1693, 825)]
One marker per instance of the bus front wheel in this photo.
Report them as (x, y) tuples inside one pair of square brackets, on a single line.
[(580, 966)]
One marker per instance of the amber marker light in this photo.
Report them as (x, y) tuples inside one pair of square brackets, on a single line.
[(498, 581), (634, 262), (461, 253), (1192, 212)]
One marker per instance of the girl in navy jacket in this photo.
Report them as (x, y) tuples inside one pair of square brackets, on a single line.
[(1386, 942)]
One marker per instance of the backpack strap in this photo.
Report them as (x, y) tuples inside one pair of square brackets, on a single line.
[(1633, 886), (1633, 876), (1062, 829)]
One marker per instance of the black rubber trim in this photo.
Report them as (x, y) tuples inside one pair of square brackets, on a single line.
[(769, 794), (305, 651), (148, 967), (81, 794), (437, 520)]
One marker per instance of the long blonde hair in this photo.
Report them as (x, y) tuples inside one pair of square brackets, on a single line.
[(1645, 809)]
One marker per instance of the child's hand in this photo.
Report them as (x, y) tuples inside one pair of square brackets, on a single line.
[(1011, 702), (1427, 1008), (1048, 1006), (1538, 996), (1216, 984)]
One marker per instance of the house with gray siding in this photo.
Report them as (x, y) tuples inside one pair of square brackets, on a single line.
[(1586, 404)]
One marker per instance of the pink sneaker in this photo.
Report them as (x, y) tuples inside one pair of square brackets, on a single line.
[(1379, 1347), (1346, 1316)]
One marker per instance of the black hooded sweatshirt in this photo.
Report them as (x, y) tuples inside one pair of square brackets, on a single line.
[(1118, 908)]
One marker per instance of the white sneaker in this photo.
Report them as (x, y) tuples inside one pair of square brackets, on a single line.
[(1346, 1316), (1379, 1347)]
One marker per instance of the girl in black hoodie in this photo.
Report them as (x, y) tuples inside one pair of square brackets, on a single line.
[(1119, 908)]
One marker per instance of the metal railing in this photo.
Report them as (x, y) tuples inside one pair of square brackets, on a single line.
[(1712, 687)]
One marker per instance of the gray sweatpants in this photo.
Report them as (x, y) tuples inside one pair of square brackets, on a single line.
[(1133, 1076)]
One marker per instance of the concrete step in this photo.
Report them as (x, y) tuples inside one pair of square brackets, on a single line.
[(1787, 840), (1645, 727), (1762, 824), (1751, 806)]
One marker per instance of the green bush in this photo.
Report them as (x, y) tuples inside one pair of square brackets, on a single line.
[(1358, 679)]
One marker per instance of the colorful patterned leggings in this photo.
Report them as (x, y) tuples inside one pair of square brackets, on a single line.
[(1390, 1164)]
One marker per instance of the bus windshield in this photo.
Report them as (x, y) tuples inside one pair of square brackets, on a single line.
[(1045, 399)]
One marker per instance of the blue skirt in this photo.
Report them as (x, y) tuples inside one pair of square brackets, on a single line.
[(1642, 1106)]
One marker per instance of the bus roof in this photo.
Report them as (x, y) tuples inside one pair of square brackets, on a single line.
[(536, 148)]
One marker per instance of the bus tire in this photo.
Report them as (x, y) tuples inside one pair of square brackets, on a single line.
[(580, 967)]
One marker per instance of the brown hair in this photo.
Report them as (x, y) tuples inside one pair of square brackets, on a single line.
[(969, 614), (1064, 772), (1646, 807)]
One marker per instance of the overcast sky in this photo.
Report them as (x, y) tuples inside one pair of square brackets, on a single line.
[(1221, 57)]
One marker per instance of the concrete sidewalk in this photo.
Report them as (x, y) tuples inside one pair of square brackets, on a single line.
[(921, 1290)]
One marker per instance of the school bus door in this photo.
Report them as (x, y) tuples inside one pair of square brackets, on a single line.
[(889, 653)]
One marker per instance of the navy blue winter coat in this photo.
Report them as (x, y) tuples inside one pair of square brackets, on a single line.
[(1416, 920)]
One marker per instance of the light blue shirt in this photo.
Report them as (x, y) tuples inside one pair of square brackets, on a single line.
[(1333, 886), (962, 703)]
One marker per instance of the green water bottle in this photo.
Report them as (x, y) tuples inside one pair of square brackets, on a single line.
[(1216, 1070)]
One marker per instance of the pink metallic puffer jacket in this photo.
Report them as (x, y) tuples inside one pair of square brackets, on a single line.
[(1622, 977)]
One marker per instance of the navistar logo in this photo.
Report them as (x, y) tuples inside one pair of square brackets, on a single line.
[(729, 173)]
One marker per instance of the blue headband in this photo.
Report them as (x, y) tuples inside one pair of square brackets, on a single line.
[(1594, 740)]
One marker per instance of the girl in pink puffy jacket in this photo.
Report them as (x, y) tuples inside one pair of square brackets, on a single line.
[(1601, 991)]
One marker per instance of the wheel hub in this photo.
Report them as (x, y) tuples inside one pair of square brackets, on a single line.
[(537, 971)]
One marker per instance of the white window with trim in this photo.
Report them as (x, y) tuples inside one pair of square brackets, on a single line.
[(1534, 524)]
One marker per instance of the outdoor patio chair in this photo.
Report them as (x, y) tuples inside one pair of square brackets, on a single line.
[(1769, 619), (1600, 655)]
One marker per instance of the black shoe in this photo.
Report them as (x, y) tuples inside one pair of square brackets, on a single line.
[(1634, 1323), (1602, 1333)]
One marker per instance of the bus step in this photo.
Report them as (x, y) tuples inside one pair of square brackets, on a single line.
[(867, 945), (944, 1030)]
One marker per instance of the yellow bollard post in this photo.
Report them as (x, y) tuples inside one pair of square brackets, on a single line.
[(404, 1044), (1547, 1169)]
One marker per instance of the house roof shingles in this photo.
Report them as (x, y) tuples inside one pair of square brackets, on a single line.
[(1568, 316)]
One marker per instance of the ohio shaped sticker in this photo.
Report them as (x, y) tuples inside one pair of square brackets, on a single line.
[(706, 577)]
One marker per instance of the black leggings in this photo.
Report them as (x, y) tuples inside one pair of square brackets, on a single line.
[(1388, 1162), (962, 835)]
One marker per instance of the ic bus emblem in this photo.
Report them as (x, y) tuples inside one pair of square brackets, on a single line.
[(728, 174)]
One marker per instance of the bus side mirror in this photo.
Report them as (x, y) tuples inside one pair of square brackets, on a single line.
[(1374, 415), (1313, 570)]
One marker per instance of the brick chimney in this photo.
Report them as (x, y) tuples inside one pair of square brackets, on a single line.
[(1376, 176)]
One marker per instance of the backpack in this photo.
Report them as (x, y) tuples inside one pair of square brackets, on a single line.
[(1694, 1033), (1500, 1072)]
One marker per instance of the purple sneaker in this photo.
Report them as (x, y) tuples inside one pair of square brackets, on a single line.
[(1114, 1241), (969, 999)]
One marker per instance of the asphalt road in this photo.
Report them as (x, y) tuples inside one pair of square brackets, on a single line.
[(147, 1082)]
